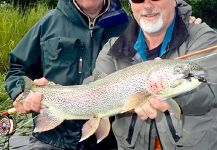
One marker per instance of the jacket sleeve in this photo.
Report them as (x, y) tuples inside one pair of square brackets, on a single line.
[(105, 63), (24, 60), (204, 98)]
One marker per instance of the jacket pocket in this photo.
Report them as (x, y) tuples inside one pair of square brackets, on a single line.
[(126, 128), (61, 51), (193, 131)]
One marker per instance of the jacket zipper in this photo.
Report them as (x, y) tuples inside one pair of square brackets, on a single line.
[(80, 65), (91, 27)]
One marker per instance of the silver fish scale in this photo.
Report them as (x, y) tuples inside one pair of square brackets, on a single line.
[(88, 101)]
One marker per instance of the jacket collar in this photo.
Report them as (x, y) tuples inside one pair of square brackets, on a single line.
[(110, 15), (123, 47)]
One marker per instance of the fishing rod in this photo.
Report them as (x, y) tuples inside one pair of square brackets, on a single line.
[(8, 124), (202, 51)]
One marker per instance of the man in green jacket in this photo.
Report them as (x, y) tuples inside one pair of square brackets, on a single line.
[(159, 29), (63, 47)]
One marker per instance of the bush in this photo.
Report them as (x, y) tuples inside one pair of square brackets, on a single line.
[(13, 26), (50, 3), (4, 99), (206, 10)]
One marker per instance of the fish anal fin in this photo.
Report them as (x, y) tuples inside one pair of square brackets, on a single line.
[(135, 100), (46, 120), (89, 128), (103, 129)]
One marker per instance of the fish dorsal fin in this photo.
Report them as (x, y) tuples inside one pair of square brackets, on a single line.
[(135, 100), (103, 129), (89, 128), (46, 120)]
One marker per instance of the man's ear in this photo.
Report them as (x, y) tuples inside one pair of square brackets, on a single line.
[(174, 3)]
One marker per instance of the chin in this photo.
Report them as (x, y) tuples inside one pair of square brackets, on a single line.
[(151, 26)]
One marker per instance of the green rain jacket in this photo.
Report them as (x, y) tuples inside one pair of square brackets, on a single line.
[(63, 47)]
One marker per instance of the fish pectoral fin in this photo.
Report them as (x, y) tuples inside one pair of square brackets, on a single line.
[(174, 108), (46, 120), (135, 100), (103, 129), (89, 128)]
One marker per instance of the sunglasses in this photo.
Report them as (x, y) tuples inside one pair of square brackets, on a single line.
[(139, 1)]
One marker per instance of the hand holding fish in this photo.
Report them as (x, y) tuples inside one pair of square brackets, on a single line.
[(150, 108), (32, 103)]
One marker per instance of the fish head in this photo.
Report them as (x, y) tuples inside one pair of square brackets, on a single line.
[(170, 78)]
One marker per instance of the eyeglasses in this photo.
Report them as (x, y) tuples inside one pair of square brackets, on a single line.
[(139, 1)]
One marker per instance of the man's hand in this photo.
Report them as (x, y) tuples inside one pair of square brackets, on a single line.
[(150, 108), (32, 103), (195, 20)]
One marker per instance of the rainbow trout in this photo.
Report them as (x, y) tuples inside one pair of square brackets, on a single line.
[(119, 92)]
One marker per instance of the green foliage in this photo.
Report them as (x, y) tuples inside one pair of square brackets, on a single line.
[(5, 101), (50, 3), (13, 26), (206, 10), (126, 6)]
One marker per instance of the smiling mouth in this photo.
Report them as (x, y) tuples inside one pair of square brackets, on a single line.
[(150, 15)]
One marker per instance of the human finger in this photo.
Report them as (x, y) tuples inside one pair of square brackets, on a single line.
[(159, 105), (149, 110), (146, 111), (198, 21), (35, 101), (141, 114), (36, 104), (192, 19), (41, 82), (19, 107)]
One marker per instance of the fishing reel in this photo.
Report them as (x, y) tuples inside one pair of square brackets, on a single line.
[(7, 125)]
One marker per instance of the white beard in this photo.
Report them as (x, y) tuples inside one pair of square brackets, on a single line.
[(151, 27)]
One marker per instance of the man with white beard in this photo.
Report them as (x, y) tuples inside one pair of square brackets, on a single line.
[(161, 29)]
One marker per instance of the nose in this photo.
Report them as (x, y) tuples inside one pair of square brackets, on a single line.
[(148, 4)]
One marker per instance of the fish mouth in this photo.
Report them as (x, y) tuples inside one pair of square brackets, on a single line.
[(200, 75)]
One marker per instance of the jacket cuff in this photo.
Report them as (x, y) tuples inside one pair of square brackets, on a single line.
[(15, 93)]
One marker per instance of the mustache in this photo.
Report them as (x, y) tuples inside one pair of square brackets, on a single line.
[(149, 11)]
